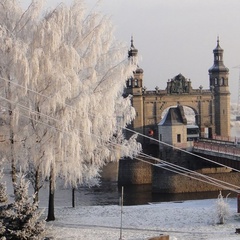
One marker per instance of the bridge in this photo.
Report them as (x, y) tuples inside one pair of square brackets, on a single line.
[(225, 151)]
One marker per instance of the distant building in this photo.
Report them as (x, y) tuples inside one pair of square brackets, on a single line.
[(210, 106)]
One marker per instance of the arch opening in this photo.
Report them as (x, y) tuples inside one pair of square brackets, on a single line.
[(190, 114)]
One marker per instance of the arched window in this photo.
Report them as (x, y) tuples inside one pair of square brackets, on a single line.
[(223, 81), (136, 83), (220, 81), (216, 81)]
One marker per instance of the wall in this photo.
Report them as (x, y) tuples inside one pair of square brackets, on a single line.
[(167, 182), (133, 171), (169, 135), (109, 172)]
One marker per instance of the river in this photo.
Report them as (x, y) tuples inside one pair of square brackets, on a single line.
[(136, 195)]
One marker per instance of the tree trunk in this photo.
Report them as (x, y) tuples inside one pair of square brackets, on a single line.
[(36, 186), (73, 197), (51, 216), (13, 160), (11, 133)]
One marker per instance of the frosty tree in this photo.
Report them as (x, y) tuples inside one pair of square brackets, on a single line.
[(14, 69), (222, 208), (3, 193), (3, 199), (69, 74)]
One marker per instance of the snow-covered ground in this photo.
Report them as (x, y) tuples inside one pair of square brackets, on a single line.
[(180, 220), (183, 220)]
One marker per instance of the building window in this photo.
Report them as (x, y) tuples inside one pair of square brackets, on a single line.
[(220, 82), (136, 83), (178, 138), (160, 137), (223, 81)]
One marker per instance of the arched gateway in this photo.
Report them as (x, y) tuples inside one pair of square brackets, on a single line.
[(211, 106)]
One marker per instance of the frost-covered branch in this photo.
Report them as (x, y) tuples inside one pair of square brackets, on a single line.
[(63, 73)]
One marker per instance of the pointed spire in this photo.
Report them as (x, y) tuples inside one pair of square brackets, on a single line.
[(218, 65), (133, 51), (132, 46), (218, 48), (218, 45)]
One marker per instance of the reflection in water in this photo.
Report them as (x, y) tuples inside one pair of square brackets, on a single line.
[(109, 194)]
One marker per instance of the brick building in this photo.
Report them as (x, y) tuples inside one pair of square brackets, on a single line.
[(210, 106)]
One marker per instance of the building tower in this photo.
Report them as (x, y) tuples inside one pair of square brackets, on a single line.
[(218, 77), (134, 87), (134, 84)]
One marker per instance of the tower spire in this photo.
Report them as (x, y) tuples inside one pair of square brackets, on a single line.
[(132, 52), (132, 46), (218, 65)]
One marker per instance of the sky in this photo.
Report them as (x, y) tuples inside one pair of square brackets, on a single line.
[(175, 37)]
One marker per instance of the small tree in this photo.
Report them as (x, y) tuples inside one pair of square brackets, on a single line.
[(20, 220), (3, 199), (3, 194), (222, 208)]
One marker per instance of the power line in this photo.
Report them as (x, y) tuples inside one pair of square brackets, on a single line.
[(182, 150), (153, 139), (187, 172), (192, 177), (176, 167)]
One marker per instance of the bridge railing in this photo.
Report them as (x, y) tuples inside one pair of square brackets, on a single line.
[(226, 149), (228, 139)]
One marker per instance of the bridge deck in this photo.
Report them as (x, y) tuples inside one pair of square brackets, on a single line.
[(217, 148)]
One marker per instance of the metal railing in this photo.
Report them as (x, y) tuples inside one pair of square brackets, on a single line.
[(217, 147)]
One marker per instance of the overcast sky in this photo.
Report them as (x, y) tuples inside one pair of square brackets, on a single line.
[(177, 36)]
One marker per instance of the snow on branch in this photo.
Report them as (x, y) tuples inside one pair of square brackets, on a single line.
[(69, 111)]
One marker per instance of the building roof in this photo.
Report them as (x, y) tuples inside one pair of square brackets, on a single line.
[(218, 65), (133, 52), (174, 116)]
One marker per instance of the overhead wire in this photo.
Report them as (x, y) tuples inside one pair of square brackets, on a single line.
[(180, 149), (174, 168), (193, 177), (188, 173), (178, 169), (128, 129)]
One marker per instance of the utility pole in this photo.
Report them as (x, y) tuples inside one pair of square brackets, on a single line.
[(121, 203)]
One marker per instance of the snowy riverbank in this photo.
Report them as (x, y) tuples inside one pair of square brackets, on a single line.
[(181, 220)]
